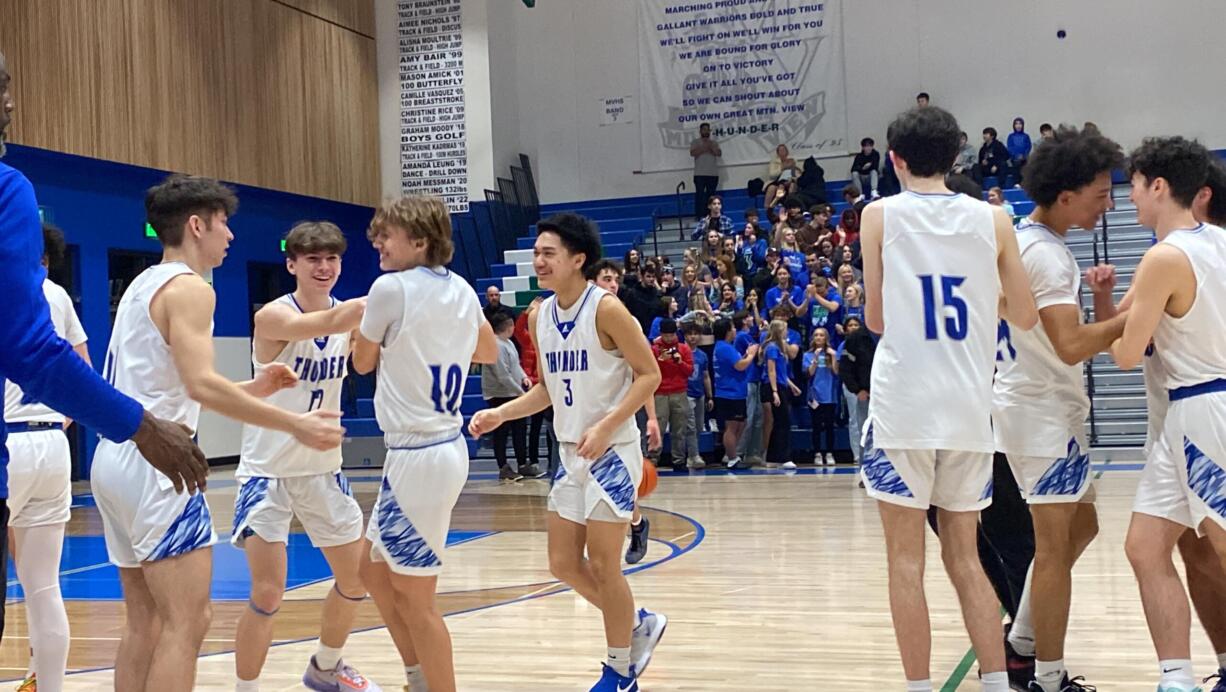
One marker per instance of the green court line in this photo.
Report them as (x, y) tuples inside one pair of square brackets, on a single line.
[(968, 659)]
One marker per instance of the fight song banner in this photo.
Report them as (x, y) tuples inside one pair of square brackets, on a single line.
[(433, 143), (762, 72)]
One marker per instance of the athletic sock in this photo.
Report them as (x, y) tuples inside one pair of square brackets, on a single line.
[(636, 523), (241, 685), (416, 678), (326, 657), (1021, 633), (619, 660), (1177, 671), (1221, 661), (1049, 674), (919, 686), (995, 682)]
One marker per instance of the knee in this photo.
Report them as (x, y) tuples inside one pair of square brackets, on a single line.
[(907, 569), (1144, 555), (351, 584), (563, 567), (960, 565), (605, 569), (266, 596)]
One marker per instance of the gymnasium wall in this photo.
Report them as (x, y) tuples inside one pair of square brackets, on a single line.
[(1132, 67), (279, 94), (100, 206)]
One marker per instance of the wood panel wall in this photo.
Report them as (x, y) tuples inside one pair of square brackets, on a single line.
[(250, 91), (357, 15)]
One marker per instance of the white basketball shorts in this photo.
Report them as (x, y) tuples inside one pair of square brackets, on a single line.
[(40, 478), (1065, 479), (1192, 451), (323, 503), (603, 489), (958, 481)]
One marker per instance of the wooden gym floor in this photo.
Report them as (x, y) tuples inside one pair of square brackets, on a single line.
[(771, 581)]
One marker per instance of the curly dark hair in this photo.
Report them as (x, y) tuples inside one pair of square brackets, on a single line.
[(578, 234), (928, 139), (1182, 163), (54, 244), (1217, 185), (1070, 161)]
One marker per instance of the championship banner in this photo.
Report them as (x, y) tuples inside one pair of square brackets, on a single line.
[(762, 72), (433, 143)]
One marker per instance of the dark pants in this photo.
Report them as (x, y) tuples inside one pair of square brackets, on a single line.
[(779, 449), (517, 430), (823, 428), (535, 423), (1006, 536), (704, 187)]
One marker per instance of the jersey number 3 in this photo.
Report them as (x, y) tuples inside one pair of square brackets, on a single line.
[(956, 324), (446, 393)]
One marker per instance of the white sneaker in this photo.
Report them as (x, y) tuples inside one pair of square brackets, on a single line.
[(788, 466), (645, 638), (828, 459), (819, 459)]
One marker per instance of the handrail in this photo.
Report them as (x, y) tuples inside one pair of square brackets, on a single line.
[(1089, 373), (680, 223)]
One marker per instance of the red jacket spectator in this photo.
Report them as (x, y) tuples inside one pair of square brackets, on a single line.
[(527, 351), (676, 363)]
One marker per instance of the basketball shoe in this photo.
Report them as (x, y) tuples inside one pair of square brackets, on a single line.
[(1220, 677), (343, 678), (28, 685), (1076, 684), (612, 681), (638, 541), (645, 638)]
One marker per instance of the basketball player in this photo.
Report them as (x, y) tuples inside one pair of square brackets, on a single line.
[(423, 328), (161, 353), (1040, 403), (597, 369), (40, 493), (1178, 299), (935, 263), (280, 478), (607, 274)]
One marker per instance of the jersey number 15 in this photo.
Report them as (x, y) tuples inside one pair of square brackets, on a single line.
[(956, 324)]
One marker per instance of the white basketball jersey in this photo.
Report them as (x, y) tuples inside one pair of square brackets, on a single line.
[(1036, 396), (585, 381), (320, 365), (138, 360), (932, 373), (1193, 347), (17, 407), (423, 367), (1157, 400)]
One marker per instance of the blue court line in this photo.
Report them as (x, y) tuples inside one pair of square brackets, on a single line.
[(700, 534)]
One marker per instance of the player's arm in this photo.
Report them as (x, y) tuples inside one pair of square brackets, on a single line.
[(1018, 304), (280, 322), (1075, 342), (186, 308), (1156, 281), (487, 344), (872, 230), (614, 321)]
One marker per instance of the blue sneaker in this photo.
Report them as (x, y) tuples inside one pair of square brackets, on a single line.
[(612, 681), (645, 637)]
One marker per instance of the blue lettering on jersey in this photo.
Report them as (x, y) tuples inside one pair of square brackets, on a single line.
[(566, 361), (311, 370)]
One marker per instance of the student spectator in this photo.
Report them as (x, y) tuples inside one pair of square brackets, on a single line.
[(688, 283), (785, 292), (702, 315), (853, 304), (729, 304), (996, 197), (764, 280), (493, 305), (825, 251), (670, 313), (760, 225), (730, 389), (845, 276), (775, 360), (791, 216), (847, 255), (822, 367), (1018, 145), (889, 184), (791, 256), (965, 184), (1046, 134), (692, 256), (814, 229), (706, 153), (715, 220), (753, 308), (730, 250), (866, 167), (701, 399), (728, 275), (855, 372), (632, 263), (708, 252), (854, 198), (993, 158), (811, 186), (676, 363), (921, 100), (749, 326), (502, 381), (668, 281), (527, 361), (825, 304), (783, 170), (965, 163), (753, 251), (642, 297), (848, 231)]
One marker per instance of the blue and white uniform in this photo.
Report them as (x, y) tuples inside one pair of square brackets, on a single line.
[(928, 439), (143, 518), (585, 381), (40, 463), (1192, 351), (427, 320), (281, 477), (1039, 402)]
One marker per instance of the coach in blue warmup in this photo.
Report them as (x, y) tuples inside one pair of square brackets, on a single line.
[(45, 366)]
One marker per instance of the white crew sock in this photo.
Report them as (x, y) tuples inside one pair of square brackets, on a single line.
[(1221, 661), (1021, 633), (1177, 671), (326, 657), (416, 679), (241, 685), (1049, 674), (919, 686), (619, 660), (995, 682)]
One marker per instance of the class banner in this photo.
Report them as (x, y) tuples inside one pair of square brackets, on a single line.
[(762, 72)]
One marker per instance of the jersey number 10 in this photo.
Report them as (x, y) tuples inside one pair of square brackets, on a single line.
[(446, 393), (955, 325)]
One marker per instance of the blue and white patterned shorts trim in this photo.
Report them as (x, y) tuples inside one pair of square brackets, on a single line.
[(604, 489), (954, 480), (1067, 479)]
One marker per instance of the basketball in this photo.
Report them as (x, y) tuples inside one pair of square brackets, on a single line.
[(648, 485)]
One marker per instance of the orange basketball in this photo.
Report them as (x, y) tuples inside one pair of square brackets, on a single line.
[(648, 484)]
